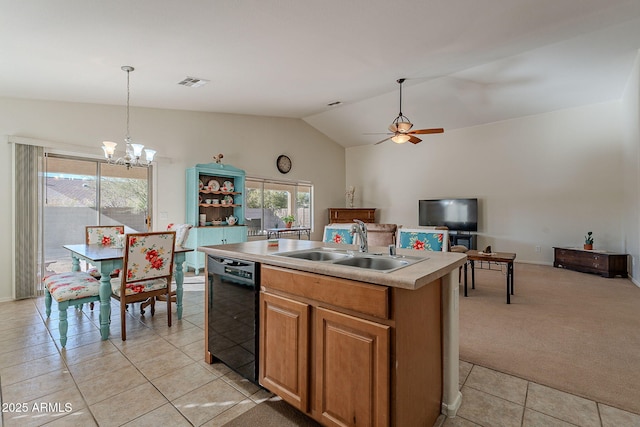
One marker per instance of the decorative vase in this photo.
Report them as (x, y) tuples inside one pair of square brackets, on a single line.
[(350, 193), (588, 247)]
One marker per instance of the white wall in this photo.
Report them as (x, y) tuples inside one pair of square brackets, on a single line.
[(542, 180), (182, 139), (631, 220)]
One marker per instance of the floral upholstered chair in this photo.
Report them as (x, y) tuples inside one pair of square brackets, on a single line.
[(146, 273), (339, 233), (182, 234), (104, 235), (422, 239), (73, 288)]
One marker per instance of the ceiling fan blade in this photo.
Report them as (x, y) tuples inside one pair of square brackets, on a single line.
[(424, 131), (380, 142), (393, 127), (414, 139)]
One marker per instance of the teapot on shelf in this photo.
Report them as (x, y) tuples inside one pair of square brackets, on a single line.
[(231, 220)]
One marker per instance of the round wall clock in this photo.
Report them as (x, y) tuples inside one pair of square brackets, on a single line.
[(283, 163)]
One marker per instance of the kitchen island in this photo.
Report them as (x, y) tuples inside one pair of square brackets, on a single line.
[(356, 346)]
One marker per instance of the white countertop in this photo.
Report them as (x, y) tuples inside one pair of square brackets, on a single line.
[(436, 264)]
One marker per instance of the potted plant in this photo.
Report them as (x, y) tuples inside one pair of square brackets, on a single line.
[(288, 220), (588, 241)]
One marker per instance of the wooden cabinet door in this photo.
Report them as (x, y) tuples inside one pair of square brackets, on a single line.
[(284, 348), (352, 370)]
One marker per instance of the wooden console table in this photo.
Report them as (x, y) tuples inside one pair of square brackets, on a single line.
[(606, 264), (347, 215)]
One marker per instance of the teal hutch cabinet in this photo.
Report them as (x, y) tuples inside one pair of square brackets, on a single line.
[(215, 192)]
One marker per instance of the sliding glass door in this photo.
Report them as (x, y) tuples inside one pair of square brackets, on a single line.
[(80, 192)]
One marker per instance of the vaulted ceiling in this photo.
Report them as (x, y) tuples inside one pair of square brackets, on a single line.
[(467, 62)]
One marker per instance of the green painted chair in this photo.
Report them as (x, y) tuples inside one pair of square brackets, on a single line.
[(72, 288), (76, 288)]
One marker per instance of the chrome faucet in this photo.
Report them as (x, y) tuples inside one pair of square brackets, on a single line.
[(361, 229)]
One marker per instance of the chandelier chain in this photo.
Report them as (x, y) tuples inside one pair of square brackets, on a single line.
[(128, 95), (132, 151)]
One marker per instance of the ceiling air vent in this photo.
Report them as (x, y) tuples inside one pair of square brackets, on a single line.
[(193, 82)]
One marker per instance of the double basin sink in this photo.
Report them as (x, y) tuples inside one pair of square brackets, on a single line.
[(370, 261)]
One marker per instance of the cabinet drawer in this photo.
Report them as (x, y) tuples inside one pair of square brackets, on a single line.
[(361, 297), (577, 258)]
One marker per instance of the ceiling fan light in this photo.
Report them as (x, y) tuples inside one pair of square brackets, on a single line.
[(400, 138), (404, 126)]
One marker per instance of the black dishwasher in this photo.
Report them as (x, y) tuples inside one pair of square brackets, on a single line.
[(232, 314)]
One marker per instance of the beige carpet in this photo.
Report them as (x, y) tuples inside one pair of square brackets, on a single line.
[(576, 332)]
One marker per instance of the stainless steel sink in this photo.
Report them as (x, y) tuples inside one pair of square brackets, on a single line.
[(377, 263), (317, 255), (347, 258)]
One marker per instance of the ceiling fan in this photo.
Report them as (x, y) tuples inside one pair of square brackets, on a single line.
[(401, 127)]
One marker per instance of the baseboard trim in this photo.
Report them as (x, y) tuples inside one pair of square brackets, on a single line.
[(450, 409)]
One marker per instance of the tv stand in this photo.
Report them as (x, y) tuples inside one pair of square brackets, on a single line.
[(606, 264), (463, 238)]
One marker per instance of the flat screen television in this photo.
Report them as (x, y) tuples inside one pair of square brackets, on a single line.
[(455, 214)]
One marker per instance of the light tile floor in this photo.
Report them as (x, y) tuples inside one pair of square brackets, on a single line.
[(159, 377)]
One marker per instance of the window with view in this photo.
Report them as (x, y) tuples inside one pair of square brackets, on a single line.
[(80, 192), (269, 202)]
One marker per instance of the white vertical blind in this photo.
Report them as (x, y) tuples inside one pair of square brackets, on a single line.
[(28, 169)]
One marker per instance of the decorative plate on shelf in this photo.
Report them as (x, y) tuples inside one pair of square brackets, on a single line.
[(213, 185), (228, 199), (227, 186), (201, 184)]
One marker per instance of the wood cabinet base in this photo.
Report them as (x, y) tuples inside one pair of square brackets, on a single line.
[(350, 353)]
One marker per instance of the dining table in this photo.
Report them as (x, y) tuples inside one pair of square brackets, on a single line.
[(106, 259)]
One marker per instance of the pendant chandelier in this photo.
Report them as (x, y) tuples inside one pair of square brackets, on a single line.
[(133, 152)]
